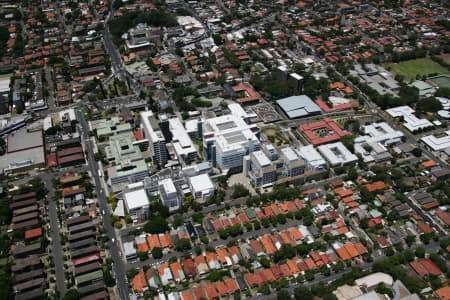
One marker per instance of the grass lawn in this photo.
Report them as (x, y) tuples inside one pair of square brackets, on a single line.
[(421, 66)]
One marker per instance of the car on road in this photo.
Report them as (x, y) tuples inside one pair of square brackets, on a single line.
[(113, 240)]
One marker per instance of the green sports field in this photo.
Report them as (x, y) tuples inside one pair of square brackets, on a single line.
[(421, 66)]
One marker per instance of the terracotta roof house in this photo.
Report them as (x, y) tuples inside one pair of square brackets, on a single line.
[(211, 291), (232, 286), (189, 267), (139, 282)]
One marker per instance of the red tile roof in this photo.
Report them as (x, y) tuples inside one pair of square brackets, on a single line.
[(139, 282), (187, 295), (189, 267), (232, 286), (33, 233), (430, 266), (376, 186), (211, 291), (199, 293), (443, 293), (221, 287), (444, 216), (260, 278), (310, 129), (251, 280), (419, 268)]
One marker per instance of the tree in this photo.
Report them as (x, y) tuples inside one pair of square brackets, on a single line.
[(442, 265), (178, 220), (429, 104), (308, 220), (408, 255), (239, 191), (72, 294), (383, 290), (417, 152), (420, 252), (281, 218), (352, 174), (283, 295), (309, 275), (329, 296), (109, 280), (265, 289), (303, 293), (347, 140), (143, 256), (157, 253), (128, 219), (197, 217), (156, 224), (182, 244), (265, 222)]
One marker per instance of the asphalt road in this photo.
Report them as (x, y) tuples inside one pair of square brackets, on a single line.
[(118, 266), (57, 251), (246, 235)]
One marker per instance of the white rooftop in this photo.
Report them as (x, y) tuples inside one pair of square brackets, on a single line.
[(154, 136), (180, 139), (230, 131), (261, 158), (311, 156), (337, 154), (290, 154), (437, 144), (379, 133), (168, 186), (374, 279), (412, 123), (136, 199), (201, 182)]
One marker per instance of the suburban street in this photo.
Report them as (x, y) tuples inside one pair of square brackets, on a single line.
[(57, 251), (118, 266)]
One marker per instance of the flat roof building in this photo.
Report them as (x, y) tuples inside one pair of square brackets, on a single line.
[(437, 144), (312, 157), (228, 138), (372, 146), (202, 187), (182, 143), (169, 195), (24, 151), (137, 204), (298, 106), (411, 122), (156, 138), (337, 154), (266, 167), (129, 251)]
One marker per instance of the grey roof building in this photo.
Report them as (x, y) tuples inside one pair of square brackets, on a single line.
[(298, 106)]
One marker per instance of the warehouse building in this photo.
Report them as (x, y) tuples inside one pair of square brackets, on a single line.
[(298, 106)]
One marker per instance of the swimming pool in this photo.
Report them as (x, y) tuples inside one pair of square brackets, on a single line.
[(374, 212), (377, 203)]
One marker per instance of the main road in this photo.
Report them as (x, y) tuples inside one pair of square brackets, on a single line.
[(118, 267)]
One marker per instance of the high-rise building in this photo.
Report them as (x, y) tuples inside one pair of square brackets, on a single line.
[(157, 141), (227, 139)]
